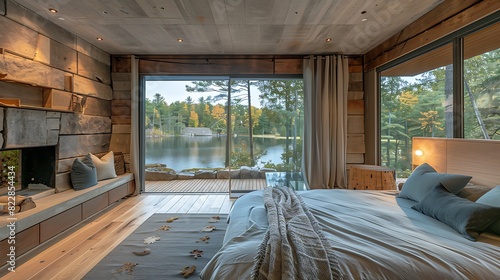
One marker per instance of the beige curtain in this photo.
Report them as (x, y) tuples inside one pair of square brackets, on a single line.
[(326, 79), (134, 136)]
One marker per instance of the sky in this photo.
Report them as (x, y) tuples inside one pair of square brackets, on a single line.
[(176, 91)]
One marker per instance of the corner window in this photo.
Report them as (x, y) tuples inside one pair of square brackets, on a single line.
[(417, 97), (482, 84), (416, 101)]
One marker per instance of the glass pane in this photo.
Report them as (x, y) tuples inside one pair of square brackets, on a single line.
[(267, 124), (416, 101), (185, 127), (482, 84)]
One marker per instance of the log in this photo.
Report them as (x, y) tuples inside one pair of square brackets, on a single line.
[(17, 38), (25, 128), (93, 69), (31, 96), (17, 69), (42, 53), (88, 49), (84, 124), (40, 24), (63, 57), (79, 145), (97, 107), (89, 87), (58, 100)]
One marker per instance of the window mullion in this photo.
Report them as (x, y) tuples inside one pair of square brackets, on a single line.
[(458, 87)]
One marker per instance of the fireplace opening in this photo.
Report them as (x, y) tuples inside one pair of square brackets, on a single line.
[(34, 166), (38, 166)]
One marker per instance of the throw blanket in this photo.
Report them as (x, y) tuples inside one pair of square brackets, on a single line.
[(294, 246)]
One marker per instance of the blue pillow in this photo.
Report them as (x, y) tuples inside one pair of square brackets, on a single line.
[(492, 198), (424, 178), (468, 218), (83, 173)]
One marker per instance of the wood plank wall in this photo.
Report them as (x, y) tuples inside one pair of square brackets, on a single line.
[(194, 65), (37, 56)]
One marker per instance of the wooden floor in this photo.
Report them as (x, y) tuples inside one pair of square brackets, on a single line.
[(73, 253), (205, 185)]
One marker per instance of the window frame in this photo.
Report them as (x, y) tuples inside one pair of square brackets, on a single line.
[(457, 40)]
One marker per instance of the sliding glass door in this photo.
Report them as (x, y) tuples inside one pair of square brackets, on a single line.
[(232, 130)]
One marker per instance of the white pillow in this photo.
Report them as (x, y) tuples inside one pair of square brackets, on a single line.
[(105, 166)]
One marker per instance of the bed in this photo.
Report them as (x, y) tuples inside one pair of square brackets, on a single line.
[(373, 235)]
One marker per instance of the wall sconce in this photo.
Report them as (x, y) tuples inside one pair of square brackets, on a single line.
[(419, 153)]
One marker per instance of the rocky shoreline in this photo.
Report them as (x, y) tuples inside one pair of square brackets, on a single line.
[(160, 172)]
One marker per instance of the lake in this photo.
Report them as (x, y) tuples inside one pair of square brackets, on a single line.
[(184, 152)]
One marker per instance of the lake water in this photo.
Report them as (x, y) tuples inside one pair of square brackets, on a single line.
[(184, 152)]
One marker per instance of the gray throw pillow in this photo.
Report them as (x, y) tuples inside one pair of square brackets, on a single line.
[(473, 192), (424, 178), (492, 198), (83, 173), (468, 218)]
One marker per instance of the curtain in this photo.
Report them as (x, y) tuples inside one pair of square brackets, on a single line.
[(134, 137), (326, 79)]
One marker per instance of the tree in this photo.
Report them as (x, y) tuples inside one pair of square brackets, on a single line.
[(240, 92), (283, 98), (193, 119)]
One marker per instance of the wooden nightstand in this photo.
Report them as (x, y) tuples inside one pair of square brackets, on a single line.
[(372, 177)]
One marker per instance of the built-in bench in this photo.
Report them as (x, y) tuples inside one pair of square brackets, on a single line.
[(57, 212)]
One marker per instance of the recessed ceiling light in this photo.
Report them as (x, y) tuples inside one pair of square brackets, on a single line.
[(61, 18), (99, 39), (364, 19), (180, 40), (52, 10), (328, 40)]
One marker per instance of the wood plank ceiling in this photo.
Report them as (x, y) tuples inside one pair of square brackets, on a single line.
[(228, 27)]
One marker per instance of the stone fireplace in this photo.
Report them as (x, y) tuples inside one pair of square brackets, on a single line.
[(31, 136)]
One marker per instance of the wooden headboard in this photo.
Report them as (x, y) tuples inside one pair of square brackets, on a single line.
[(477, 158)]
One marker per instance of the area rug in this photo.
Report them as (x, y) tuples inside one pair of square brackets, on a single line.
[(177, 242)]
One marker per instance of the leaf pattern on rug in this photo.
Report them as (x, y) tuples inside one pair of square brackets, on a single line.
[(146, 251), (196, 253), (169, 220), (187, 271), (214, 219), (165, 228), (151, 239), (204, 239), (208, 229), (127, 267)]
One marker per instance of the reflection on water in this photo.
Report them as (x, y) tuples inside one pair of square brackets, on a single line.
[(184, 152)]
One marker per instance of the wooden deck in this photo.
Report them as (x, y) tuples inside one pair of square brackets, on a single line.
[(205, 186)]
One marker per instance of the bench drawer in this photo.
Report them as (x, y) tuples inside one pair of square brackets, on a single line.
[(94, 205), (60, 222), (117, 193)]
